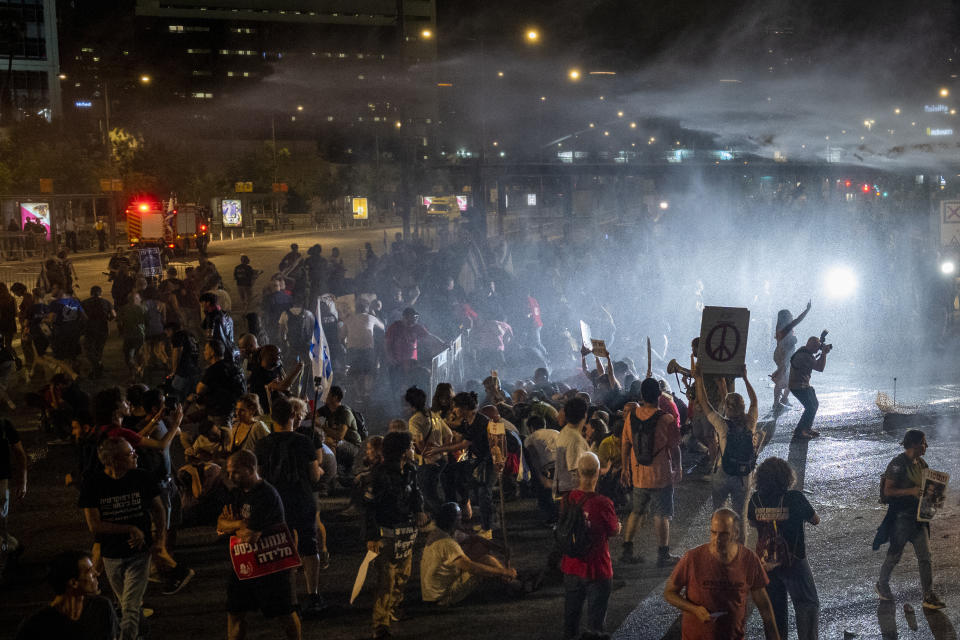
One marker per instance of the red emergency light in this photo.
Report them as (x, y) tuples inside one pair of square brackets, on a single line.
[(866, 188), (144, 207), (203, 227), (847, 184)]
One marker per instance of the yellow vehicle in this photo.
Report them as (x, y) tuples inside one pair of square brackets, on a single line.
[(445, 206)]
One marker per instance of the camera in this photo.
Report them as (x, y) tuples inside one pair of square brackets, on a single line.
[(823, 345)]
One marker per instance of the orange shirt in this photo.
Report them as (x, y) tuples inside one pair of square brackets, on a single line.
[(661, 473)]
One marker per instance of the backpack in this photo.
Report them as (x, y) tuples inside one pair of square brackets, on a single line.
[(278, 470), (738, 458), (573, 530), (644, 436), (238, 384), (772, 548), (361, 424)]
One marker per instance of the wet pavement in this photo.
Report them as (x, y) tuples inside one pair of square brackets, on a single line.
[(840, 473)]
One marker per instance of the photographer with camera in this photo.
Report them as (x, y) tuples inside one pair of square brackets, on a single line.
[(808, 358)]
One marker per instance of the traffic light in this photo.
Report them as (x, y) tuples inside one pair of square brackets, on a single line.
[(866, 188)]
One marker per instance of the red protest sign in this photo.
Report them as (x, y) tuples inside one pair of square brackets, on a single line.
[(273, 552)]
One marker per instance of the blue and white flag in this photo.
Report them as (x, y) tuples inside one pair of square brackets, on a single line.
[(320, 356)]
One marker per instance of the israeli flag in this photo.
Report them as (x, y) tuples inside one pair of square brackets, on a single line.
[(320, 356)]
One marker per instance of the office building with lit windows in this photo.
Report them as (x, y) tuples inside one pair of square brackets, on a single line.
[(28, 41), (235, 68)]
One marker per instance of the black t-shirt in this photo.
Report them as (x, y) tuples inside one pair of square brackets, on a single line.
[(98, 313), (476, 433), (260, 378), (260, 508), (790, 513), (220, 380), (124, 501), (8, 438), (905, 474), (285, 459), (189, 363), (243, 274), (98, 621)]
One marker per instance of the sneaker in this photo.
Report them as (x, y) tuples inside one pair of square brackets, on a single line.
[(177, 584), (315, 606), (627, 555), (883, 591), (382, 632), (933, 601), (667, 560), (324, 560)]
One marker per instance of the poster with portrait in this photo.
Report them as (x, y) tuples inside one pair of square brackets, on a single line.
[(36, 212), (933, 494), (232, 213)]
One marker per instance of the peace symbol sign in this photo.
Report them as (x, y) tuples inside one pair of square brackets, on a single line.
[(723, 342)]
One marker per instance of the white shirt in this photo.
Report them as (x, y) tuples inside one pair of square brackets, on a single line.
[(542, 445), (358, 330), (438, 569), (570, 444)]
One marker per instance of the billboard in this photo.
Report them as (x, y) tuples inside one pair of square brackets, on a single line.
[(360, 210), (232, 213), (36, 212)]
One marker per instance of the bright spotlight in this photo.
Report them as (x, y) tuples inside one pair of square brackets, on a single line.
[(840, 282), (947, 267), (664, 205)]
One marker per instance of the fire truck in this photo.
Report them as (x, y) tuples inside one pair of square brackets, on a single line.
[(173, 228)]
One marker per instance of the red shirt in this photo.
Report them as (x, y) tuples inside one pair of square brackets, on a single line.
[(602, 519), (122, 432), (401, 341), (719, 588), (534, 311)]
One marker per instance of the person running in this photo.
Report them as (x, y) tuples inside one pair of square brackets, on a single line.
[(902, 484), (778, 513)]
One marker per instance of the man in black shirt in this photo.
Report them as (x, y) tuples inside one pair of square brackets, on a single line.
[(10, 446), (394, 511), (902, 484), (121, 504), (288, 461), (99, 314), (77, 611), (244, 275), (255, 507), (217, 325), (221, 386), (185, 363)]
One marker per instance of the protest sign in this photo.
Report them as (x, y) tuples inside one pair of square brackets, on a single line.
[(585, 336), (723, 340), (933, 494), (274, 551), (599, 348)]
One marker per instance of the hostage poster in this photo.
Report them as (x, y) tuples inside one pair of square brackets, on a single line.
[(933, 494)]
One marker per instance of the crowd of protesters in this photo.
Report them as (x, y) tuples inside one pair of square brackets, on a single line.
[(236, 432)]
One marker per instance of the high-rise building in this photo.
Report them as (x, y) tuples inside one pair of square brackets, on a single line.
[(28, 40), (239, 67)]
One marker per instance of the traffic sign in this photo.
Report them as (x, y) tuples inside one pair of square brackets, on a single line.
[(723, 340), (243, 187), (949, 222)]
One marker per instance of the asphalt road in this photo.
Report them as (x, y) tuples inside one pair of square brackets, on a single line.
[(840, 473)]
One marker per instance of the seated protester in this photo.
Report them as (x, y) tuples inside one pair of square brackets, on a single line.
[(77, 611), (447, 574), (63, 400), (202, 489), (363, 473), (248, 428), (212, 444), (110, 410), (340, 430), (266, 371), (222, 384), (540, 448)]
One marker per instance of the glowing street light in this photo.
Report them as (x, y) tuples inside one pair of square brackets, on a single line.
[(947, 268), (944, 92), (664, 205), (62, 76), (398, 124), (574, 74), (299, 107), (533, 35), (426, 34), (633, 125), (145, 79)]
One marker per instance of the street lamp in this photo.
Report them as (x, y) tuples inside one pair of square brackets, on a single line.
[(145, 79), (426, 34), (533, 35), (574, 74)]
